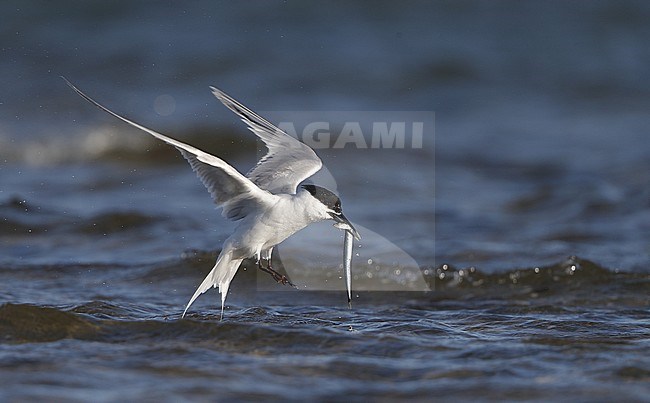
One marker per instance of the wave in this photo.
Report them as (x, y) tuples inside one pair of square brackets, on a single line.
[(107, 322), (574, 281), (28, 323), (569, 284), (125, 146), (21, 216)]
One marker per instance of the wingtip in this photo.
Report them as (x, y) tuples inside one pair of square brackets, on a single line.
[(68, 83), (82, 94), (217, 92), (230, 102)]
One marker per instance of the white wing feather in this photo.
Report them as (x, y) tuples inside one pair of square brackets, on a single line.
[(287, 162), (231, 190)]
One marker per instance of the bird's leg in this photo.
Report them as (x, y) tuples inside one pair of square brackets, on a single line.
[(280, 278)]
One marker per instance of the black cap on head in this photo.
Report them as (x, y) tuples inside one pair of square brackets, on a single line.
[(326, 197)]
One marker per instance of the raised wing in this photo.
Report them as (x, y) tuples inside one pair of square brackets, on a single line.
[(231, 190), (288, 161)]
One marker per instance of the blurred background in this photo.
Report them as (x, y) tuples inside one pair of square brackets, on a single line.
[(539, 150)]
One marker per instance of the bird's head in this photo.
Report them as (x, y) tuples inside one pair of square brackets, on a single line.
[(332, 206)]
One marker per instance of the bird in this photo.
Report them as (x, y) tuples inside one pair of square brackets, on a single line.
[(270, 203)]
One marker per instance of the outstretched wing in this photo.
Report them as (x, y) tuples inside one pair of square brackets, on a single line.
[(287, 162), (231, 190)]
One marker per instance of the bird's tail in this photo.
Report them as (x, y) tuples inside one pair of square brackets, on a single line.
[(221, 275)]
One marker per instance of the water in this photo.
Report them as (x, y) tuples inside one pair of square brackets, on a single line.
[(506, 259)]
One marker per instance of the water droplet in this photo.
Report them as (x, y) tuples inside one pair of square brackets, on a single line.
[(164, 105)]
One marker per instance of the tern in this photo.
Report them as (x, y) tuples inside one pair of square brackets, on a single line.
[(269, 202)]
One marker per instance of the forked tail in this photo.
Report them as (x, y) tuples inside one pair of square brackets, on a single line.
[(221, 275)]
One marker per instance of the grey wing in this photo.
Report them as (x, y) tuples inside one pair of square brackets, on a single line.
[(287, 162), (231, 190)]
